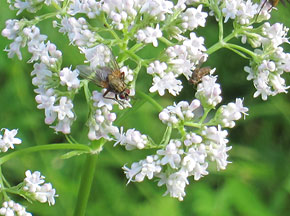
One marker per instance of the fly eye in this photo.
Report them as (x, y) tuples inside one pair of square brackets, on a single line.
[(122, 96)]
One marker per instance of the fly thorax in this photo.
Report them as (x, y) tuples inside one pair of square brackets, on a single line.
[(116, 84)]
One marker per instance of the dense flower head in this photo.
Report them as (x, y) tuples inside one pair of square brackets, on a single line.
[(35, 184), (132, 139), (11, 208), (182, 111), (209, 91)]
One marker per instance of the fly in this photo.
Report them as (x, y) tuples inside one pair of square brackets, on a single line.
[(109, 77), (199, 72)]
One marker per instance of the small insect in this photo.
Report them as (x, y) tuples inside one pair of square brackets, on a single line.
[(109, 77), (199, 72), (273, 3)]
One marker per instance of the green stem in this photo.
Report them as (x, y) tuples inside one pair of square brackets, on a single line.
[(221, 43), (192, 124), (85, 185), (136, 47), (149, 99), (240, 48), (206, 111), (44, 148), (166, 41), (221, 29), (2, 186)]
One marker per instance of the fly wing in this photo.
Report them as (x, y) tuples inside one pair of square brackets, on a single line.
[(98, 75), (114, 66)]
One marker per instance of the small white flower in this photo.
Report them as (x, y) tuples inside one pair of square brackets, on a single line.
[(171, 154), (149, 35), (232, 112), (46, 193), (69, 78), (192, 138), (33, 181), (157, 8), (175, 184), (64, 109), (167, 82), (63, 125), (218, 153), (209, 91), (171, 115), (132, 139), (8, 140), (157, 68), (46, 100), (215, 135), (144, 168), (99, 55), (35, 184), (101, 125), (89, 7), (194, 161), (275, 34), (78, 31), (12, 208), (193, 17)]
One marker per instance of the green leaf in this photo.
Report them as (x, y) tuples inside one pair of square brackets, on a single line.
[(72, 154)]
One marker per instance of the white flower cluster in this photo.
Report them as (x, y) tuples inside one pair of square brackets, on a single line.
[(231, 113), (183, 111), (99, 55), (69, 78), (125, 11), (78, 31), (89, 7), (101, 123), (55, 107), (11, 208), (132, 139), (266, 74), (149, 35), (30, 5), (174, 164), (180, 159), (35, 184), (182, 58), (242, 11), (193, 17), (208, 91), (8, 140)]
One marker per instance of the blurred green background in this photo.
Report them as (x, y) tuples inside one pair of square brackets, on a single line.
[(256, 183)]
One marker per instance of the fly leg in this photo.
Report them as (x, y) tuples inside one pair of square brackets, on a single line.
[(106, 92)]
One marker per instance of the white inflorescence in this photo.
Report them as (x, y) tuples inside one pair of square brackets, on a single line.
[(182, 111), (132, 139), (149, 35), (11, 208), (35, 184), (130, 26), (209, 91)]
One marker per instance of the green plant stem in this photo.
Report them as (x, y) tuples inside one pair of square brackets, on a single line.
[(2, 185), (149, 99), (166, 41), (85, 185), (240, 48), (44, 148)]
